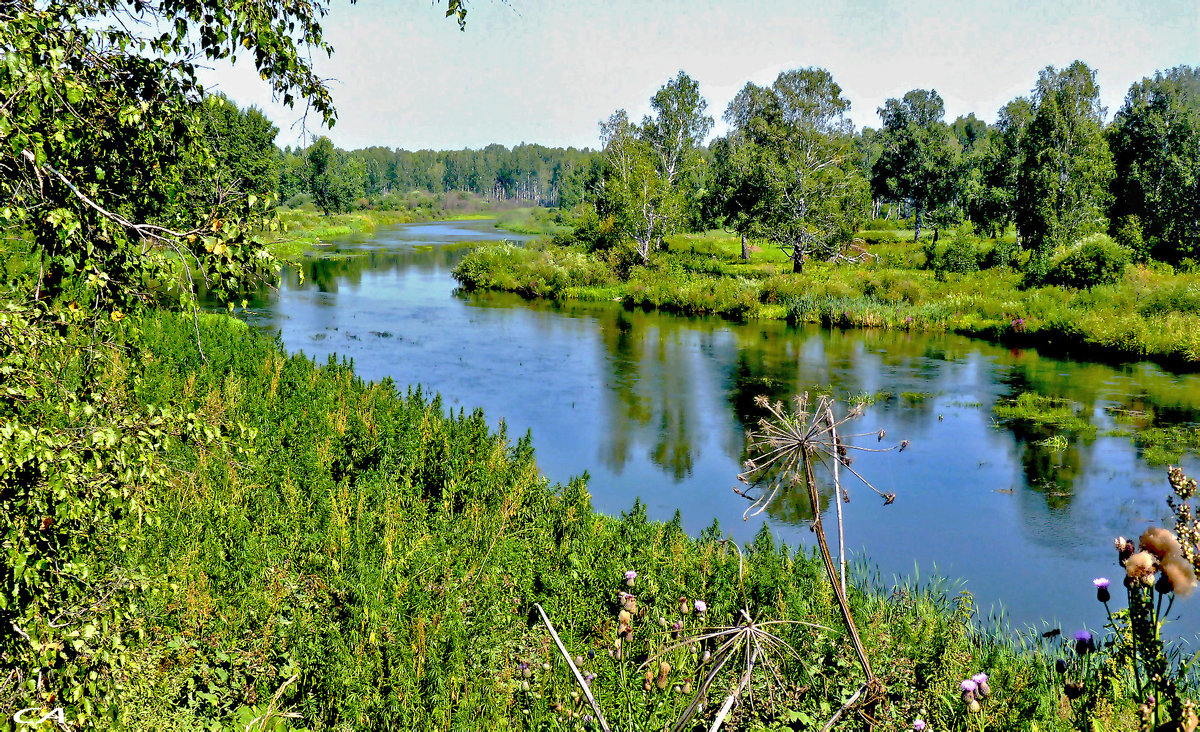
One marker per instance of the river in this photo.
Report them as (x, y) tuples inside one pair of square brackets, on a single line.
[(655, 406)]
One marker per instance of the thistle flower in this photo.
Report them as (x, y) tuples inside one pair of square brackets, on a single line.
[(629, 602), (1141, 567), (1159, 542), (1101, 584), (1179, 574), (589, 678), (684, 606), (968, 690), (1085, 643), (918, 724), (630, 576), (701, 606), (664, 670), (981, 685), (1124, 548)]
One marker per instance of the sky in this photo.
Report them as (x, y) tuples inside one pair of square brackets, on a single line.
[(547, 71)]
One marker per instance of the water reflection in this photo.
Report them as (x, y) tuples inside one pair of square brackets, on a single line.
[(656, 406)]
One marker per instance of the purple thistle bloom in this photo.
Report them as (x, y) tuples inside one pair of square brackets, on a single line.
[(918, 724), (1084, 642), (631, 574), (967, 685), (701, 606), (1100, 582)]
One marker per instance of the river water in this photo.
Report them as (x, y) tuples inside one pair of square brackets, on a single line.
[(656, 406)]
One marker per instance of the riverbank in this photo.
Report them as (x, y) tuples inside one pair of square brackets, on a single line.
[(352, 554), (300, 230), (1150, 313)]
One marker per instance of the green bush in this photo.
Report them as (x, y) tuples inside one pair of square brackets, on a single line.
[(1094, 260), (959, 254)]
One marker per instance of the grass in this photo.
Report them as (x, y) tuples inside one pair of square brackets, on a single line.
[(1047, 413), (362, 557), (1151, 313)]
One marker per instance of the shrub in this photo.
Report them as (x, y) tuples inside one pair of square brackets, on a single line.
[(960, 254), (1094, 260)]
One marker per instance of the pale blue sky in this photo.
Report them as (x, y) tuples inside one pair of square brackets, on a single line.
[(548, 71)]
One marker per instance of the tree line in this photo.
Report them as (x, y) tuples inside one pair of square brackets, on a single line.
[(791, 170), (336, 180)]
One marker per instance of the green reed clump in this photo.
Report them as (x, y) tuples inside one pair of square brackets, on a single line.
[(1048, 413)]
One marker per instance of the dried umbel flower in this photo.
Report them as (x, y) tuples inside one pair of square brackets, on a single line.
[(1141, 567), (1159, 542)]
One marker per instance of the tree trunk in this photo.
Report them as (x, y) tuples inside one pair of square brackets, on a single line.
[(798, 261), (935, 235), (917, 225), (745, 249)]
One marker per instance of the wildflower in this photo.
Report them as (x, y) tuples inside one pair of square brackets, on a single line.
[(968, 690), (981, 685), (1159, 542), (1141, 566), (630, 576), (1179, 574), (629, 602), (684, 606), (664, 670), (524, 685), (918, 724), (706, 657), (701, 606), (546, 666), (525, 672), (1060, 666), (1124, 549), (589, 678), (1085, 643), (1101, 584)]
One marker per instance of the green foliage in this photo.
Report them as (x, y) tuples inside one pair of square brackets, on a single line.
[(366, 560), (1094, 260), (918, 163), (1062, 185), (786, 173), (1155, 141), (959, 254)]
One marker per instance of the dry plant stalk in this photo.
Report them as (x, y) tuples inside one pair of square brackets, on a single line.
[(785, 449)]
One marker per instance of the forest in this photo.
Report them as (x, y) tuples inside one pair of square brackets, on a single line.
[(202, 531)]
